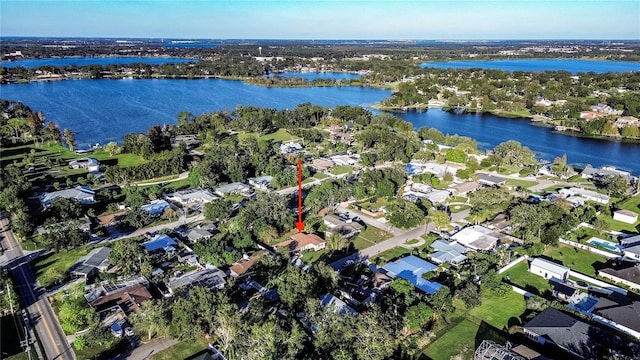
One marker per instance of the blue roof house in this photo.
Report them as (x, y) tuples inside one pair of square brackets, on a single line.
[(411, 268), (158, 242), (156, 207)]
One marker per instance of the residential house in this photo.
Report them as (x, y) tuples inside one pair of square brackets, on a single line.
[(478, 238), (240, 267), (209, 278), (261, 183), (464, 188), (437, 196), (290, 148), (448, 252), (191, 196), (490, 180), (85, 195), (321, 165), (342, 225), (619, 312), (412, 269), (590, 172), (625, 121), (190, 141), (198, 234), (625, 272), (606, 109), (564, 292), (555, 328), (631, 247), (549, 270), (348, 160), (590, 115), (155, 207), (97, 260), (160, 242), (234, 188), (111, 219), (625, 216), (127, 297), (90, 164), (336, 305), (302, 242), (578, 194)]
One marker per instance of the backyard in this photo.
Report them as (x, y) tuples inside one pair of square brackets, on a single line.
[(52, 268), (520, 276), (579, 260)]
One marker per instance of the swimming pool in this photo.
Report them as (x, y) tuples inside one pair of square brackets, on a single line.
[(611, 246), (586, 303)]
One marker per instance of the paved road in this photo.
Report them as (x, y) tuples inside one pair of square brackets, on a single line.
[(171, 225), (40, 312)]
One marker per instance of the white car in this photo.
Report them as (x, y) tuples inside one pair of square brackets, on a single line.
[(128, 331)]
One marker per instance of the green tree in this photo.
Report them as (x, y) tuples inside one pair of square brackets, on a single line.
[(439, 218), (528, 220), (70, 139), (152, 319), (218, 210), (112, 148), (127, 253), (512, 153), (404, 214)]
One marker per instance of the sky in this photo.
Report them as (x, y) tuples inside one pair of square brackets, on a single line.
[(330, 19)]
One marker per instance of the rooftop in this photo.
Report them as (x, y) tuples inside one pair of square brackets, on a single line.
[(477, 237), (300, 240), (549, 266), (619, 309), (337, 305), (490, 179), (160, 242), (411, 268)]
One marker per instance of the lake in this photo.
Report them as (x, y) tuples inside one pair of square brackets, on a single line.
[(83, 61), (106, 110), (310, 76), (573, 66)]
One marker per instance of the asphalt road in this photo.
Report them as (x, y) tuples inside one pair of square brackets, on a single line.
[(41, 315)]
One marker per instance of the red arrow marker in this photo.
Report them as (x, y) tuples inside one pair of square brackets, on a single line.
[(300, 224)]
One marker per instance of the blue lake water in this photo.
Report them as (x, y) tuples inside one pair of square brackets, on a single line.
[(82, 61), (310, 76), (105, 110), (573, 66)]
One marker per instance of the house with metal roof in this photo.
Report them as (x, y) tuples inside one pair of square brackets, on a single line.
[(191, 196), (261, 182), (160, 242), (491, 180), (156, 207), (234, 188), (84, 194), (210, 278), (447, 252), (549, 270), (412, 269)]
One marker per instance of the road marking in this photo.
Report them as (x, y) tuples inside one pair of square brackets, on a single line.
[(42, 316)]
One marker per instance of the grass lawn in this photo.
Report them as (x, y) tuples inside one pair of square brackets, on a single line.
[(581, 234), (520, 276), (453, 341), (619, 225), (280, 135), (390, 254), (631, 204), (456, 199), (522, 183), (458, 208), (340, 169), (53, 268), (579, 260), (320, 176), (100, 352), (124, 159), (177, 185), (497, 310), (370, 236), (182, 350), (370, 206)]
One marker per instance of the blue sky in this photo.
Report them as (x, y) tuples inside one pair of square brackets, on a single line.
[(301, 19)]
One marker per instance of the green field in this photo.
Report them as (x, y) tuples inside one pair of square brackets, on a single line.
[(390, 254), (497, 310), (521, 277), (53, 268), (340, 169), (522, 183), (278, 136), (370, 236), (182, 350), (577, 259), (460, 337)]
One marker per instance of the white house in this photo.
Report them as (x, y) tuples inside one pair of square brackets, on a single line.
[(625, 216), (477, 238), (548, 269), (191, 196), (261, 182), (575, 192), (83, 194), (90, 164), (234, 188), (290, 148)]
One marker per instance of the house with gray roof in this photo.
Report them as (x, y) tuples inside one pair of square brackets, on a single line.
[(342, 225), (631, 247), (234, 188), (336, 305), (94, 262), (210, 278), (85, 195), (554, 328), (198, 234), (491, 180), (448, 252), (619, 312), (261, 182), (90, 164), (625, 272)]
